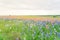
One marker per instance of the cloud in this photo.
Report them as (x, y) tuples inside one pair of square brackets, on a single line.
[(54, 5), (24, 4), (30, 4)]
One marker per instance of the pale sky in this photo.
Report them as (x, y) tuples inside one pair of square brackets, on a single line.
[(30, 12), (54, 5), (9, 6), (30, 4), (24, 4)]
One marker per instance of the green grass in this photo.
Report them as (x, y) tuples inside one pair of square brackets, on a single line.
[(30, 30)]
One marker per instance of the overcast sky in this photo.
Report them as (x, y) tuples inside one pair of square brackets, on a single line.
[(24, 4), (29, 5), (54, 5)]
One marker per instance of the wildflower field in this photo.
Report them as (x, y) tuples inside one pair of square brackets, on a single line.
[(18, 29)]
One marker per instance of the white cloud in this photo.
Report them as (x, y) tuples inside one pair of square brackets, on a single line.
[(54, 5), (24, 4), (30, 4), (29, 7)]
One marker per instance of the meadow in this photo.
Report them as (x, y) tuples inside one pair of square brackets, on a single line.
[(14, 29)]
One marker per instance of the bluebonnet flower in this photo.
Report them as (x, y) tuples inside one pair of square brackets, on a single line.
[(47, 35), (38, 22), (50, 32), (58, 34), (57, 22), (42, 33), (53, 25)]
